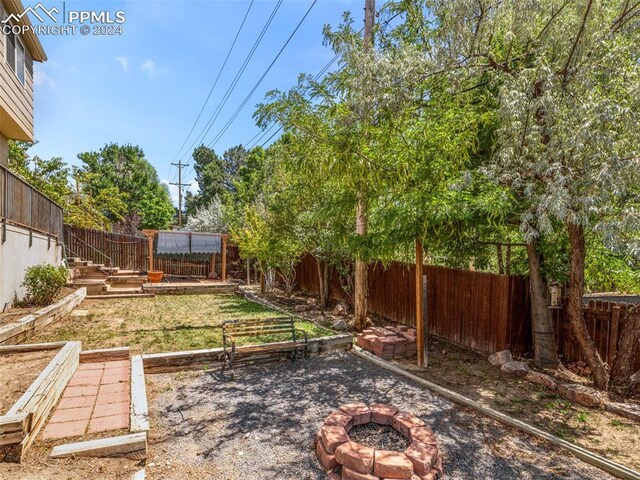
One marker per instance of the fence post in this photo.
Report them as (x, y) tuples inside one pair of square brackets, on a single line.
[(419, 305), (224, 257)]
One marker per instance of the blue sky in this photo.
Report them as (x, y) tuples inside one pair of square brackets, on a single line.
[(147, 85)]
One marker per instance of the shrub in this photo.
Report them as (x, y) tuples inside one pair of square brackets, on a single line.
[(44, 282)]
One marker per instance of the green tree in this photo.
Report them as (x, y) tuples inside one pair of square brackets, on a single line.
[(126, 168), (209, 170), (566, 77)]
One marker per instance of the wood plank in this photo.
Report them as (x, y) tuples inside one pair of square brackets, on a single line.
[(125, 445), (104, 355), (45, 391), (30, 347), (139, 408), (13, 428)]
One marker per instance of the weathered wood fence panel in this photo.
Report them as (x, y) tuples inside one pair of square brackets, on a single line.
[(605, 323), (478, 310), (107, 248), (24, 206)]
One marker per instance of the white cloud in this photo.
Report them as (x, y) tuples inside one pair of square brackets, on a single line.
[(148, 66), (124, 63), (41, 79)]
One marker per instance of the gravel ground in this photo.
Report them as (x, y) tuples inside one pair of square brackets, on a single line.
[(262, 424)]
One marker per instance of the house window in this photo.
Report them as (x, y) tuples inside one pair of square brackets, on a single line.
[(16, 55)]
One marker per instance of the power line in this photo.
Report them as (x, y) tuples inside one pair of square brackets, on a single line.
[(216, 80), (263, 133), (237, 77), (257, 84)]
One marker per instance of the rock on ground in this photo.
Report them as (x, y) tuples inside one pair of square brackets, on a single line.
[(589, 397), (500, 358), (515, 369), (339, 324), (626, 410), (340, 310), (541, 379)]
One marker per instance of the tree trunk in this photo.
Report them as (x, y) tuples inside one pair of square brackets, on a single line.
[(507, 265), (622, 368), (575, 314), (361, 282), (544, 339), (323, 282), (500, 259)]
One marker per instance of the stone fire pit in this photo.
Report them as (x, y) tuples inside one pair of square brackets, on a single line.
[(345, 459)]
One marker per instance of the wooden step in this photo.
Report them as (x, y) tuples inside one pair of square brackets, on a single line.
[(106, 296)]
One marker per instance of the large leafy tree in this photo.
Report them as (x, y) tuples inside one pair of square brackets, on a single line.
[(64, 185), (126, 168), (210, 176), (567, 77)]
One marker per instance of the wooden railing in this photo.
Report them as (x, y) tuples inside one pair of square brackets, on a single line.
[(23, 205), (106, 248)]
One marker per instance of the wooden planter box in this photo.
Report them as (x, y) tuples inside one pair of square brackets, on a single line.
[(29, 325), (20, 426)]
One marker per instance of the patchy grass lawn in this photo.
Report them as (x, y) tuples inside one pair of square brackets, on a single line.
[(164, 323)]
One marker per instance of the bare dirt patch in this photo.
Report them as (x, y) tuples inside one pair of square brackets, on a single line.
[(17, 373)]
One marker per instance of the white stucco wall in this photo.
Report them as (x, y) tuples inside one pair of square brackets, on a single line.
[(16, 256)]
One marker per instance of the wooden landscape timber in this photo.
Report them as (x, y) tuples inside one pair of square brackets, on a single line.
[(214, 357), (25, 327), (38, 401), (189, 288), (30, 347), (13, 429), (139, 415), (131, 446), (583, 454), (104, 355)]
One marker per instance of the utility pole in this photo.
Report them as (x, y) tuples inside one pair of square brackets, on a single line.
[(180, 166), (361, 281)]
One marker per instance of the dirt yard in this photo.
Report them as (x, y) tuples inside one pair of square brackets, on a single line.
[(262, 425), (37, 465), (469, 373), (164, 323), (17, 373)]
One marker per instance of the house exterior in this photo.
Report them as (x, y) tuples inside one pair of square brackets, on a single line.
[(30, 222)]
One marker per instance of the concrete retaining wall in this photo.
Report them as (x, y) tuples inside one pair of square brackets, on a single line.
[(16, 256)]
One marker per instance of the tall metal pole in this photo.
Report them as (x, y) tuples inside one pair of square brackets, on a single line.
[(361, 281)]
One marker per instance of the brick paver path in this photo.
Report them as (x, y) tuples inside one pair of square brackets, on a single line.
[(96, 399)]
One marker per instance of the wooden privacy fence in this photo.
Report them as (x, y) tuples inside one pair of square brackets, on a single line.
[(23, 205), (107, 248), (605, 323), (478, 310)]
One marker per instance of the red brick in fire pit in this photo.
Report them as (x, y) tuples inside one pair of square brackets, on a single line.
[(345, 459)]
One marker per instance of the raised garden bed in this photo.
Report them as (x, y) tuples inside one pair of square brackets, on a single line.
[(17, 372), (22, 422), (27, 326)]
